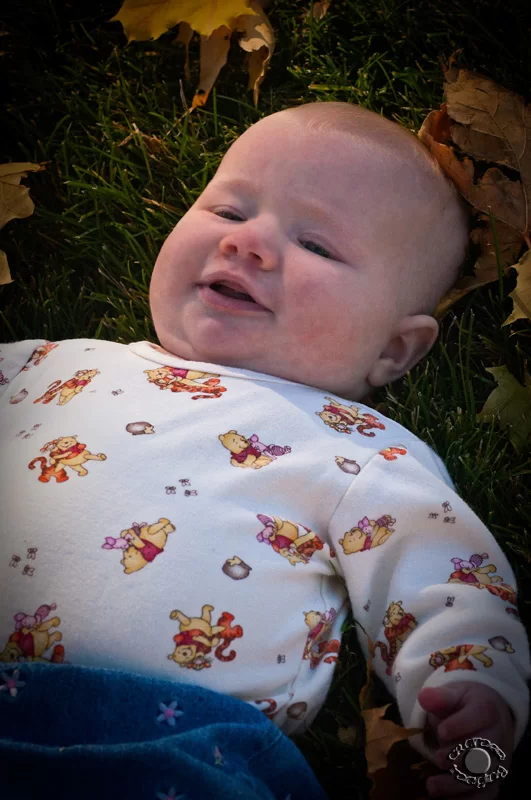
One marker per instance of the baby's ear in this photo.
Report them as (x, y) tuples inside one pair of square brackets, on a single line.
[(410, 341)]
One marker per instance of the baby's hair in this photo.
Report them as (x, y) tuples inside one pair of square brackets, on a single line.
[(440, 230)]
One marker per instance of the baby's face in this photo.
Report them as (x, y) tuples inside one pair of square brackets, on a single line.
[(313, 227)]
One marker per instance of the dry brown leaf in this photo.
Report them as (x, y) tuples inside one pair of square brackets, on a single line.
[(521, 295), (384, 740), (5, 274), (380, 735), (483, 122), (15, 202), (319, 9), (404, 777), (510, 245), (434, 132), (497, 124)]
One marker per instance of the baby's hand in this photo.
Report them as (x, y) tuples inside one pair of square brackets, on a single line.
[(456, 712)]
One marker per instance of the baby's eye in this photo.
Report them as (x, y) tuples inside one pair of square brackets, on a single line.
[(323, 251), (225, 211)]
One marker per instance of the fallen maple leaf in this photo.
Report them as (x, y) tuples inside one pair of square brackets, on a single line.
[(149, 19), (15, 202), (215, 23), (483, 122), (380, 735), (510, 402), (521, 294), (404, 777)]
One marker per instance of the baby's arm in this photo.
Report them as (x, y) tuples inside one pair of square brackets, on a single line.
[(430, 632)]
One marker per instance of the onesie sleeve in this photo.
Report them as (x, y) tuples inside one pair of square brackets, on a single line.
[(13, 358), (429, 584)]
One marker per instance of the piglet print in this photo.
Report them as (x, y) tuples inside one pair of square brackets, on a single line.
[(32, 639), (473, 573), (292, 541), (68, 390), (177, 379), (140, 544), (246, 454), (344, 418), (367, 534), (64, 452)]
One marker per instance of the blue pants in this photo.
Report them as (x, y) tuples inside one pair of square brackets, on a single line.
[(93, 734)]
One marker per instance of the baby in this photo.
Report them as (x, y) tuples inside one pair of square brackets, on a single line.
[(304, 275)]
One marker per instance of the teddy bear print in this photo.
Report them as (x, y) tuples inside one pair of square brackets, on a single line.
[(341, 418), (141, 543), (473, 574), (245, 452), (68, 390), (39, 355), (317, 647), (367, 534), (197, 637), (177, 379), (292, 541), (31, 638), (397, 627), (64, 452), (458, 657)]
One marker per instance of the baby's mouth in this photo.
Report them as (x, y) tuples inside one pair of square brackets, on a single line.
[(228, 292)]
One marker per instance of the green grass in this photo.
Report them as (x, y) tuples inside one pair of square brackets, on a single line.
[(82, 263)]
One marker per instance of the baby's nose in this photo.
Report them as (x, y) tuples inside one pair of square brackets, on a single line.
[(258, 246)]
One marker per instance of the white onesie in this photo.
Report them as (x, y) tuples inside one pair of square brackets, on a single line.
[(208, 524)]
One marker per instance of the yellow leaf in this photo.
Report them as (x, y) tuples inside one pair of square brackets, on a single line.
[(15, 201), (521, 294), (213, 56), (185, 36), (380, 735), (259, 40), (510, 402), (5, 275), (149, 19)]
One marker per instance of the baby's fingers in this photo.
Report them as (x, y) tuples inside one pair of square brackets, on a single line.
[(467, 722)]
